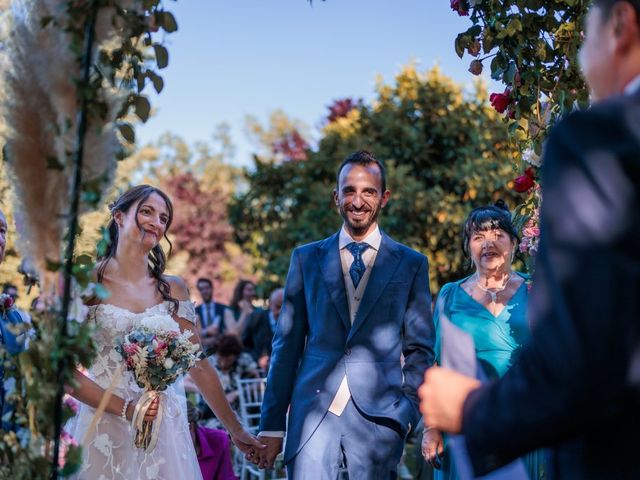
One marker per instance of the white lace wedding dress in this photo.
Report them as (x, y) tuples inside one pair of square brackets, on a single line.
[(109, 452)]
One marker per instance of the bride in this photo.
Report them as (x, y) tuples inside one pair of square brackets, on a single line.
[(132, 270)]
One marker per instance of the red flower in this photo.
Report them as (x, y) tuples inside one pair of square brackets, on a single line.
[(459, 6), (525, 182), (500, 101)]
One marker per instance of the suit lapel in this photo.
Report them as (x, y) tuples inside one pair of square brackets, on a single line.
[(387, 261), (331, 268)]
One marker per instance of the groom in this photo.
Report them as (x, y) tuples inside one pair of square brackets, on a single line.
[(355, 304)]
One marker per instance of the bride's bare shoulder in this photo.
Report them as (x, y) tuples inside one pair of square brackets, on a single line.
[(178, 286)]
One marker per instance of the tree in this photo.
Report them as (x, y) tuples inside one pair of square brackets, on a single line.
[(446, 152)]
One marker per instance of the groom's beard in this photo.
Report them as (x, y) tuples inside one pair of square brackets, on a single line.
[(362, 227)]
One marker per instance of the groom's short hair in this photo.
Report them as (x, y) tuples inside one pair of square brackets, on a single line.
[(364, 158), (607, 5)]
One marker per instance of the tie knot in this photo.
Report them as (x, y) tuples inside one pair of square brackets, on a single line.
[(357, 248)]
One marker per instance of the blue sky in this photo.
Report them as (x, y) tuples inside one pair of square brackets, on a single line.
[(231, 58)]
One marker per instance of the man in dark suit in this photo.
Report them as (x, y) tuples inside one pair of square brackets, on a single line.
[(576, 387), (261, 326), (354, 304), (210, 316)]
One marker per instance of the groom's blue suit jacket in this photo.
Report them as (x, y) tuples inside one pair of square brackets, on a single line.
[(315, 344)]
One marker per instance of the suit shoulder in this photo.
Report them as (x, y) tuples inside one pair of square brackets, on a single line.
[(310, 247), (407, 251), (606, 120)]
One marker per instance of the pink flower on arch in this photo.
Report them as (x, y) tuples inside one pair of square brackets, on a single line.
[(460, 7)]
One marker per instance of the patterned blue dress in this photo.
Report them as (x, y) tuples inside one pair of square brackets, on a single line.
[(497, 339)]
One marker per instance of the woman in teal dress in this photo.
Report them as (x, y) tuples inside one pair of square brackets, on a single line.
[(491, 306)]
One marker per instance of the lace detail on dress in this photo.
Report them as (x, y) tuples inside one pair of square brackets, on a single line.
[(187, 311), (109, 452)]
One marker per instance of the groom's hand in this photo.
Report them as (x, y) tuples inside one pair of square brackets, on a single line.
[(266, 457)]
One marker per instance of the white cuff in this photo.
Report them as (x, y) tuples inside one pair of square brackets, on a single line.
[(268, 433)]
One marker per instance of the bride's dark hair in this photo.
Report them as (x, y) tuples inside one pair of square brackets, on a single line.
[(157, 258)]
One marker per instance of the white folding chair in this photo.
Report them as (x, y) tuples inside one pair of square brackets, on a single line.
[(250, 394)]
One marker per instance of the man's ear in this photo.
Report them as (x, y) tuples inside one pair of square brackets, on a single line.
[(385, 198), (335, 198), (625, 26)]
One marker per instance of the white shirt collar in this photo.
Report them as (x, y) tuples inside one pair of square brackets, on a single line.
[(633, 86), (373, 239)]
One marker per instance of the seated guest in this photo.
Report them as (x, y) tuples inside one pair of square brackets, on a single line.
[(210, 316), (261, 325), (241, 306), (12, 291), (489, 305), (212, 448), (231, 362), (10, 342)]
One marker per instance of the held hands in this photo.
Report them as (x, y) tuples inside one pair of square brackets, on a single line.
[(432, 447), (265, 458), (246, 442), (442, 396)]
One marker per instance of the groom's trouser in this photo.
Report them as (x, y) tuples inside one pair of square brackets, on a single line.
[(372, 450)]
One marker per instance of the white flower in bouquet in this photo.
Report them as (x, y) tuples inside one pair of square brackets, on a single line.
[(160, 323)]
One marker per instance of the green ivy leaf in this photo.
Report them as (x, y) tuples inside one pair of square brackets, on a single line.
[(168, 22), (158, 82), (126, 130), (143, 107), (162, 55)]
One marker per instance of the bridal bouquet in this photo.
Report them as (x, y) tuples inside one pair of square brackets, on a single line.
[(157, 353)]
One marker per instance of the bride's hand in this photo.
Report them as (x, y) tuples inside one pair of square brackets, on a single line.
[(151, 414), (245, 441)]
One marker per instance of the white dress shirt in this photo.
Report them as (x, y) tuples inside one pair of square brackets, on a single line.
[(354, 296)]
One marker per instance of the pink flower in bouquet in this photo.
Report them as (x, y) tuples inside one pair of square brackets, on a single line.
[(131, 348), (160, 347)]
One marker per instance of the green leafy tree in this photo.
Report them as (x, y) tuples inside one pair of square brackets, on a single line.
[(446, 152)]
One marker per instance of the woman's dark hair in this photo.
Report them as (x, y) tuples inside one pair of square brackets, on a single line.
[(229, 345), (157, 258), (490, 217), (237, 293)]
